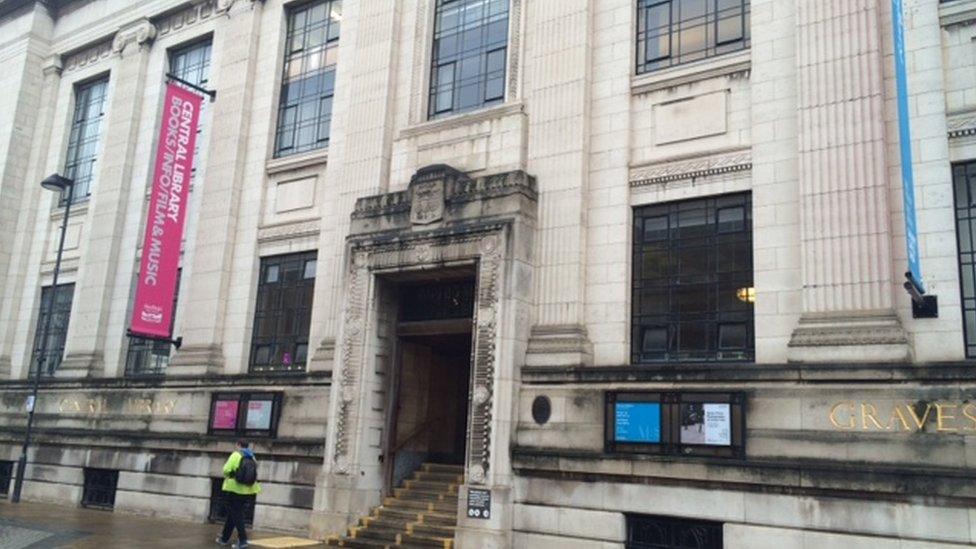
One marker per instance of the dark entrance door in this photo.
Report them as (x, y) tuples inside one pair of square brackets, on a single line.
[(432, 384)]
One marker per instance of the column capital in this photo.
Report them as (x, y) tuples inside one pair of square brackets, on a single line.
[(52, 66), (140, 32)]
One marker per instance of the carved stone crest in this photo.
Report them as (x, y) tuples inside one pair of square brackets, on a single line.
[(427, 205)]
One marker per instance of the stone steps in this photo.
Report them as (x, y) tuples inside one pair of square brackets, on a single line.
[(421, 513)]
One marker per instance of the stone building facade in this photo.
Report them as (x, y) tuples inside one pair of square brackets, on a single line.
[(573, 210)]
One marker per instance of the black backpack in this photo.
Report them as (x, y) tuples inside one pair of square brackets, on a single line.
[(247, 471)]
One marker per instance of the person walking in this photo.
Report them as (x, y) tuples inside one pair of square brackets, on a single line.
[(240, 490)]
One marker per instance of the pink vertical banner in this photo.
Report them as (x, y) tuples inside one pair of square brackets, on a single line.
[(153, 311)]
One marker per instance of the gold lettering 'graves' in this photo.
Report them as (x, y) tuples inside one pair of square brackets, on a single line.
[(427, 205)]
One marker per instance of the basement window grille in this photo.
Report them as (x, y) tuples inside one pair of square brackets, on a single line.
[(6, 474), (659, 532), (218, 504), (100, 487)]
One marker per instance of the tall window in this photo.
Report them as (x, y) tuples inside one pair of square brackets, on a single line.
[(86, 130), (671, 32), (692, 290), (964, 179), (283, 313), (192, 63), (470, 48), (308, 84), (58, 304)]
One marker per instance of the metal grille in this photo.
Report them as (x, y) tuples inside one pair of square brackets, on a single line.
[(692, 272), (57, 331), (6, 474), (308, 83), (99, 490), (437, 301), (283, 313), (218, 504), (84, 138), (192, 63), (468, 61), (672, 32), (149, 356), (964, 182), (656, 532)]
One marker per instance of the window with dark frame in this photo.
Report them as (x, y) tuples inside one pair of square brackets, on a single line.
[(692, 281), (308, 82), (662, 532), (673, 32), (470, 52), (99, 488), (192, 63), (252, 415), (964, 184), (146, 356), (58, 304), (283, 313), (84, 137), (6, 475)]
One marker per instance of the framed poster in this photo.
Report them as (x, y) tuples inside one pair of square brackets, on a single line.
[(245, 414), (710, 424), (223, 415), (259, 414), (695, 424), (635, 422)]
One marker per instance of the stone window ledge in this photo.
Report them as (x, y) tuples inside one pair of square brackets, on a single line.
[(462, 120), (725, 65), (78, 209), (957, 13), (297, 161)]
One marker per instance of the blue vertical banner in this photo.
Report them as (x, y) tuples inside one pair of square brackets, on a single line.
[(905, 136)]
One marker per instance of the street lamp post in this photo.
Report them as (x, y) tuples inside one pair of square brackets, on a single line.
[(61, 185)]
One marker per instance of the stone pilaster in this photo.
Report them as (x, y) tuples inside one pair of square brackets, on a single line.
[(559, 100), (359, 150), (84, 352), (208, 287), (844, 224), (35, 80)]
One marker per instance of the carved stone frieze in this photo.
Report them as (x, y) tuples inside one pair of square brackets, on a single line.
[(88, 56), (962, 125), (288, 231), (141, 33), (823, 330), (692, 168), (186, 18)]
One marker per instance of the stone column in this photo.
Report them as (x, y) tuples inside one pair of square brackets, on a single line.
[(558, 96), (359, 150), (21, 165), (110, 195), (845, 230), (209, 281)]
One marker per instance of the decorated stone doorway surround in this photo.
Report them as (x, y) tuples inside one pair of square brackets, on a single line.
[(443, 220)]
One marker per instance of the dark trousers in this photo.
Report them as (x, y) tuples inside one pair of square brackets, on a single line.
[(236, 504)]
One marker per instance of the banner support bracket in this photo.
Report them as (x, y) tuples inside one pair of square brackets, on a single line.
[(210, 93)]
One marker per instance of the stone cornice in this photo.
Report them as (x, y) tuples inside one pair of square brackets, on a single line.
[(461, 120), (960, 12), (458, 189), (732, 161)]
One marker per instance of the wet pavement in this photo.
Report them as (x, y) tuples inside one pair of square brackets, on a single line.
[(40, 525)]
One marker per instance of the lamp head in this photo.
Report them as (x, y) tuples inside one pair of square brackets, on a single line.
[(56, 183)]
